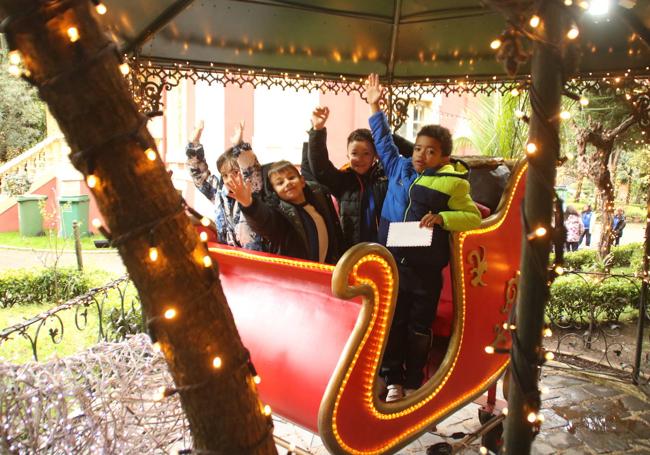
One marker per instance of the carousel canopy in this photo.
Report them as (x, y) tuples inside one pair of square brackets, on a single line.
[(401, 40)]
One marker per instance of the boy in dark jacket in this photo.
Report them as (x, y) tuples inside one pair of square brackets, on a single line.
[(360, 189), (434, 190), (303, 224)]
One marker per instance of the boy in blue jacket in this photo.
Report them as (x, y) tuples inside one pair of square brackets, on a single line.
[(433, 189)]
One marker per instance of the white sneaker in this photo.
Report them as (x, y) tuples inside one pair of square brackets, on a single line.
[(395, 392)]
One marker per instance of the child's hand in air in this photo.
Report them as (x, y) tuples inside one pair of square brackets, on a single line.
[(319, 117), (374, 91), (241, 190), (431, 219), (238, 135)]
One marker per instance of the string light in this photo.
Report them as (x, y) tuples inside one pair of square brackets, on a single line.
[(496, 44), (124, 68), (156, 347), (257, 379), (73, 34), (217, 362), (565, 115), (207, 261), (549, 355), (504, 411), (584, 101), (14, 70), (548, 332), (483, 450), (515, 92), (151, 154), (539, 232), (96, 223), (92, 181), (153, 254), (519, 113), (532, 417), (203, 236), (489, 349), (101, 9), (267, 410), (531, 148), (559, 270), (14, 57), (573, 32), (170, 313), (534, 21), (568, 2), (205, 221)]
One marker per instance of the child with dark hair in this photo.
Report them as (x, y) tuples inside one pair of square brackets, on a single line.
[(302, 225), (360, 188), (574, 228), (232, 228), (432, 188)]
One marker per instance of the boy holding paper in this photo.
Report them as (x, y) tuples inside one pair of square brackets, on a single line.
[(431, 189)]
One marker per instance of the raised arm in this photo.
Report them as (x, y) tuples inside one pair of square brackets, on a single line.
[(324, 171), (381, 135)]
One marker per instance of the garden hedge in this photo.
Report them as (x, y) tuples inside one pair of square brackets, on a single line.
[(50, 285)]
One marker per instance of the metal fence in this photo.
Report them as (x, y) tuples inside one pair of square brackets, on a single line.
[(115, 308), (604, 331)]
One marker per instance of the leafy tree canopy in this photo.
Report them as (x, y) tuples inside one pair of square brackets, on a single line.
[(22, 114)]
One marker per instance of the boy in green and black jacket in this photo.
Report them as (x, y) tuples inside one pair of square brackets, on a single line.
[(433, 189)]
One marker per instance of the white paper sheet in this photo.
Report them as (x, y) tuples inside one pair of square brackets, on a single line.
[(408, 233)]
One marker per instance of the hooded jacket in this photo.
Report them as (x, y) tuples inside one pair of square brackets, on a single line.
[(282, 226), (411, 195), (354, 192)]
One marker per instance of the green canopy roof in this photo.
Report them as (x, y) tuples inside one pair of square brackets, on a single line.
[(401, 40)]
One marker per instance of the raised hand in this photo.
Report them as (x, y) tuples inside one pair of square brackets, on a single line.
[(319, 117), (239, 189), (238, 135), (374, 91), (198, 130)]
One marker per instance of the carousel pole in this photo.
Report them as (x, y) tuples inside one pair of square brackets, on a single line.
[(643, 299), (60, 48), (527, 354)]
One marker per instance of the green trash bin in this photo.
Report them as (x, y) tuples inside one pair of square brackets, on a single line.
[(30, 218), (73, 208)]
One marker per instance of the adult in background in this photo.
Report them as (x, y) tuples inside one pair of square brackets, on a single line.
[(586, 215), (618, 223), (574, 228)]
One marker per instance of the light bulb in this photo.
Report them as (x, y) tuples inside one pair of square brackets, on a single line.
[(549, 355), (156, 347), (14, 57), (489, 349), (205, 221), (559, 270), (534, 21), (101, 9), (504, 411), (124, 68), (91, 181), (565, 115), (540, 231), (483, 450), (531, 148), (96, 223), (14, 70), (495, 44), (203, 236), (573, 33), (216, 362), (532, 417), (153, 254), (514, 92), (207, 261), (73, 34), (519, 113), (170, 313), (267, 410), (257, 379), (584, 101), (151, 154)]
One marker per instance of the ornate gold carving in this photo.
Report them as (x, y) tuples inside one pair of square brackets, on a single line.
[(477, 259)]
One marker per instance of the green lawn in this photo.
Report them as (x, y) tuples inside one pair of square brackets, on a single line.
[(19, 350), (46, 242)]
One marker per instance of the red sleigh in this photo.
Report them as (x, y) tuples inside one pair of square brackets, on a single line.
[(317, 332)]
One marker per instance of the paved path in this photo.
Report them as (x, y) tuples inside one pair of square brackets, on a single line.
[(584, 415), (26, 258)]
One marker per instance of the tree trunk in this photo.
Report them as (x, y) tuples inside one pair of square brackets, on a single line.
[(546, 92), (85, 91), (605, 189)]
